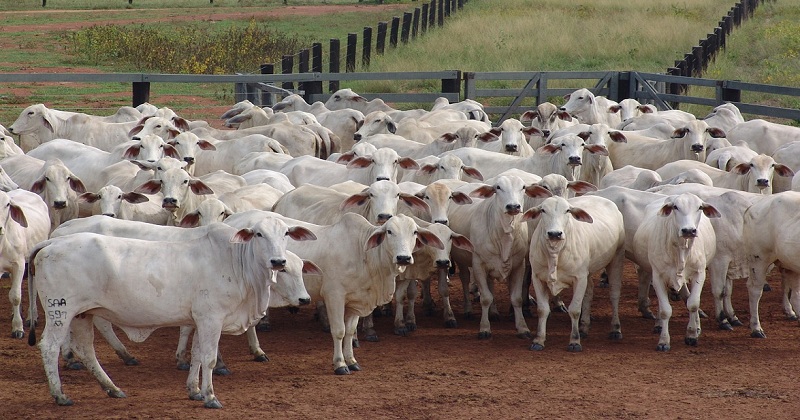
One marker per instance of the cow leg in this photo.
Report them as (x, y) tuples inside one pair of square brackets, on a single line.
[(337, 323), (793, 287), (755, 287), (207, 336), (255, 346), (614, 272), (486, 299), (585, 320), (53, 336), (728, 305), (444, 292), (664, 310), (693, 304), (368, 328), (107, 331), (575, 305), (322, 314), (543, 311), (15, 297), (180, 353), (645, 278), (263, 324), (428, 306), (787, 278), (465, 273), (350, 325), (411, 296), (82, 331), (717, 274), (400, 293), (516, 280), (193, 380)]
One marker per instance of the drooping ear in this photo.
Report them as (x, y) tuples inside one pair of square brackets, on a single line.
[(484, 191), (311, 268), (597, 149), (710, 211), (644, 109), (428, 238), (152, 186), (679, 133), (17, 214), (566, 97), (666, 209), (472, 172), (585, 135), (135, 198), (538, 191), (741, 169), (38, 186), (89, 197), (448, 137), (617, 136), (408, 163), (415, 202), (190, 220), (172, 133), (715, 132), (459, 197), (529, 115), (243, 235), (135, 130), (181, 123), (532, 131), (354, 200), (580, 215), (360, 162), (391, 126), (461, 241), (132, 152), (171, 151), (376, 239), (206, 145), (76, 184), (299, 233), (488, 137), (549, 149), (613, 109), (783, 170), (564, 116), (47, 120), (428, 168), (200, 188), (581, 187), (531, 213), (346, 157)]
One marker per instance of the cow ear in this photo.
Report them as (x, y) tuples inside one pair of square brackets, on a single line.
[(428, 169), (715, 132), (311, 268), (537, 191), (171, 151), (243, 235), (354, 200), (38, 186), (488, 137), (135, 130), (613, 109), (710, 211), (644, 109), (472, 172), (585, 135), (617, 136), (459, 197), (376, 239), (89, 197), (132, 152), (408, 163), (181, 123), (549, 149), (17, 214), (532, 131), (76, 184), (206, 145), (461, 241), (428, 238), (531, 214), (581, 187), (135, 198), (415, 202), (529, 115), (597, 149), (199, 188), (666, 209), (360, 162), (581, 215), (392, 127), (741, 169), (448, 137), (680, 133), (783, 170), (48, 124), (152, 186), (190, 220), (299, 233), (485, 191)]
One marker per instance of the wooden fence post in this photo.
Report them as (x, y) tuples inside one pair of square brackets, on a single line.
[(441, 13), (415, 24), (726, 94), (140, 92), (452, 85), (425, 18), (432, 15), (287, 63), (267, 99), (394, 30), (333, 85), (366, 46), (316, 57), (406, 27), (352, 40), (380, 42)]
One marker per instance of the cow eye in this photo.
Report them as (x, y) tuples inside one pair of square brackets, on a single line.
[(119, 197), (47, 178), (259, 234), (159, 168), (185, 181), (389, 232), (497, 187), (416, 232)]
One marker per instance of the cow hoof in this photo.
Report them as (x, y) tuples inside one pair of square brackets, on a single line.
[(725, 326), (537, 347), (583, 334), (484, 335), (674, 296), (767, 288), (356, 343), (132, 362), (343, 370), (702, 314), (261, 358), (657, 330), (17, 334), (735, 322), (648, 315), (758, 334), (372, 338), (574, 348), (28, 324), (64, 401), (411, 326), (792, 317), (451, 323), (183, 366), (212, 403), (690, 341), (265, 328), (116, 393), (526, 335), (402, 332), (354, 367), (223, 371), (196, 397), (662, 347), (615, 335), (75, 366)]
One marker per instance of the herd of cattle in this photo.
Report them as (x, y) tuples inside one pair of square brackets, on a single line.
[(144, 219)]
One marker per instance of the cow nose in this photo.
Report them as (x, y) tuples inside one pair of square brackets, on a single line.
[(305, 301), (383, 217), (137, 138), (60, 204), (554, 234), (574, 160), (403, 259), (697, 148), (511, 148), (546, 133), (169, 202), (513, 208), (11, 130), (689, 232), (763, 183), (109, 214), (441, 221), (443, 263), (562, 108), (382, 178), (356, 137), (188, 159), (278, 263)]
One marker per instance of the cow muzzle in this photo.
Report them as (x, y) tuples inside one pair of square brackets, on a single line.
[(574, 161), (697, 148), (169, 203), (688, 233), (403, 260), (59, 205), (555, 235), (511, 148), (513, 209), (278, 263)]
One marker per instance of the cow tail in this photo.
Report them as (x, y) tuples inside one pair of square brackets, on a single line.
[(32, 292)]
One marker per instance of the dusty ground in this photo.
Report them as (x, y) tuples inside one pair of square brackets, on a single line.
[(446, 373)]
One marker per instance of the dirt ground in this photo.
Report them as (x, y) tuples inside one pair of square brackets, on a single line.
[(445, 373)]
